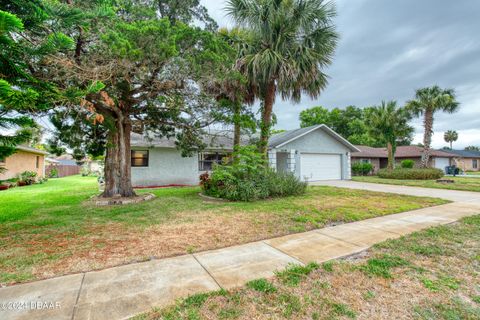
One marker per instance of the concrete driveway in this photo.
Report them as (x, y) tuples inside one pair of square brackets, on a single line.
[(452, 195)]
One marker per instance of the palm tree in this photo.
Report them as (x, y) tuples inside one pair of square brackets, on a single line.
[(450, 136), (232, 91), (291, 42), (428, 101), (390, 124)]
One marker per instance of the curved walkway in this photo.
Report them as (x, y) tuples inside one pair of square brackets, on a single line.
[(124, 291)]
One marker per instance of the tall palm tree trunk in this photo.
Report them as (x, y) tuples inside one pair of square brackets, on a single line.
[(427, 137), (391, 159), (266, 118), (236, 125)]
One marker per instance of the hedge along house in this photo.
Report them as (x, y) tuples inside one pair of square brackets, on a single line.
[(24, 159), (313, 153)]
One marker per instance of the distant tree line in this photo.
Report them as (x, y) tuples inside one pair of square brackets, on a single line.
[(352, 123), (387, 125)]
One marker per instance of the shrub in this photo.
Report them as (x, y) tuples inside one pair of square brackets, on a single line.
[(248, 178), (27, 178), (361, 168), (407, 164), (53, 173), (411, 174), (261, 285)]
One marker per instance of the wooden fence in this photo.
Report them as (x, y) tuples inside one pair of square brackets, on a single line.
[(62, 170)]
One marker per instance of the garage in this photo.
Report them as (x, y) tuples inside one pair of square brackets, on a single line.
[(441, 163), (312, 154), (316, 166)]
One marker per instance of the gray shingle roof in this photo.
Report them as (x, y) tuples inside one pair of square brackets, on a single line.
[(224, 139), (213, 140), (284, 137), (464, 153)]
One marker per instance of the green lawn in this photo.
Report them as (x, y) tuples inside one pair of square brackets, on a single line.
[(474, 173), (461, 183), (51, 229), (432, 274)]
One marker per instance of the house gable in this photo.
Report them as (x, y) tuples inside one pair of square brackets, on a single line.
[(315, 141)]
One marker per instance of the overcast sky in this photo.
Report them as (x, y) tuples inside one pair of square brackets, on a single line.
[(387, 49)]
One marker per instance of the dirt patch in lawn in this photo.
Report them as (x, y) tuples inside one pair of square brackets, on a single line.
[(112, 244)]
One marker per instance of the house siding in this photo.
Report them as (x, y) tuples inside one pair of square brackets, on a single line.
[(318, 141), (23, 161), (466, 164), (166, 166)]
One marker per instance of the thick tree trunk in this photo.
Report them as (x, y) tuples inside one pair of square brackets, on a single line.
[(391, 157), (427, 137), (118, 181), (267, 117)]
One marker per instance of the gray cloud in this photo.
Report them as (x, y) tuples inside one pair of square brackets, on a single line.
[(390, 48)]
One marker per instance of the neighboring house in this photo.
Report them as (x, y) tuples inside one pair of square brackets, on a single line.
[(378, 156), (465, 159), (24, 159), (313, 153)]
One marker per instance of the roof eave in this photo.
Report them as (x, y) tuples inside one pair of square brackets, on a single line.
[(329, 131), (31, 150)]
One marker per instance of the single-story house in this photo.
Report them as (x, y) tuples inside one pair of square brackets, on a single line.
[(24, 159), (378, 157), (313, 153), (465, 159)]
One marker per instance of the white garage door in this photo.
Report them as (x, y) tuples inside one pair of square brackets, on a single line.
[(441, 163), (316, 166)]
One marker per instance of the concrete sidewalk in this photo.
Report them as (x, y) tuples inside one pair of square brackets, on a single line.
[(124, 291)]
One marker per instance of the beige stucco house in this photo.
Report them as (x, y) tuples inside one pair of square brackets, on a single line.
[(466, 160), (25, 159)]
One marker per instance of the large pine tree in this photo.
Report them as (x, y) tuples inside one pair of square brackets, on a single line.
[(127, 68), (21, 93)]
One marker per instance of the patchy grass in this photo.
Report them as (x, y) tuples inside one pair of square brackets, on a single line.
[(50, 229), (461, 183), (393, 281), (382, 265), (262, 285), (293, 274)]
